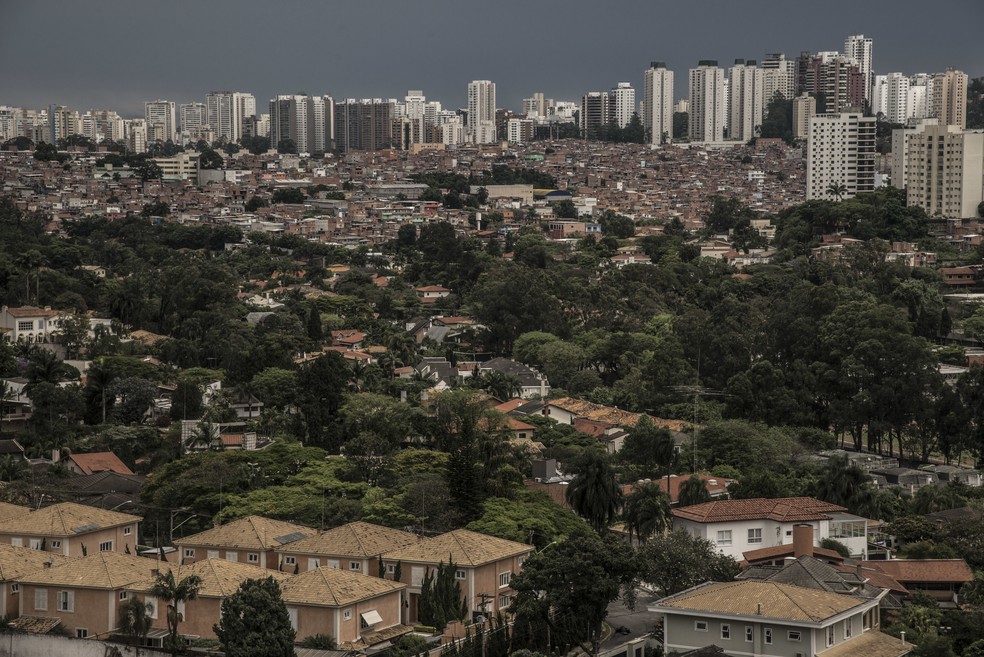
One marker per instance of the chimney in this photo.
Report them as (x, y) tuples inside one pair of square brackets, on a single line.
[(758, 609), (802, 541), (55, 455)]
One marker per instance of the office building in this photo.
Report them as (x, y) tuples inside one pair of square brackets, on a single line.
[(621, 104), (945, 171), (859, 48), (161, 119), (363, 125), (706, 100), (657, 103), (481, 111), (949, 98), (594, 113), (745, 100), (840, 155)]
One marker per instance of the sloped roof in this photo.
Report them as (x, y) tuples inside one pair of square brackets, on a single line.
[(355, 539), (102, 570), (778, 601), (249, 533), (100, 462), (925, 570), (787, 509), (19, 561), (31, 311), (333, 587), (870, 644), (8, 510), (463, 547), (611, 414), (64, 519), (776, 551), (219, 577)]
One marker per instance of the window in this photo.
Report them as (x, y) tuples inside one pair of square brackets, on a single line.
[(459, 574), (866, 620), (355, 565), (41, 599), (190, 553), (55, 545), (755, 535), (153, 606), (749, 633), (35, 544), (347, 614), (17, 542), (768, 636), (81, 633), (232, 556), (124, 595), (290, 561), (725, 631), (504, 579), (848, 629), (213, 554), (700, 626), (504, 601), (292, 613), (830, 635), (15, 588), (314, 564), (253, 557), (724, 537), (106, 546), (25, 326), (391, 569), (66, 601), (127, 531), (793, 635)]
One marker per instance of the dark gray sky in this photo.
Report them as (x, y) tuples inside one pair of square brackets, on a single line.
[(115, 54)]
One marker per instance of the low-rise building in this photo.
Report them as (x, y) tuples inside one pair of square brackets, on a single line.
[(72, 530), (355, 547), (253, 540)]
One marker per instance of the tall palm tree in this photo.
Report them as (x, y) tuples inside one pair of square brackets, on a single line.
[(98, 378), (646, 512), (6, 393), (837, 189), (135, 621), (594, 493), (693, 491), (31, 260), (173, 592), (845, 484), (665, 453)]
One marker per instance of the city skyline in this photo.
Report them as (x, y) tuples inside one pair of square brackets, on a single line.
[(562, 62)]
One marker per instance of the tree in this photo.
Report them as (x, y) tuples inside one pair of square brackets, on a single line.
[(288, 195), (564, 591), (847, 485), (135, 620), (441, 600), (209, 159), (693, 491), (135, 395), (837, 190), (594, 493), (255, 621), (677, 561), (255, 203), (646, 511), (320, 642), (172, 592)]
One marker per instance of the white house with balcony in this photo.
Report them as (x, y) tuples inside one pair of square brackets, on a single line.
[(29, 324), (739, 526)]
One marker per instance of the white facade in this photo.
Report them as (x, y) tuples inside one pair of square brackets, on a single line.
[(136, 135), (162, 113), (481, 111), (949, 98), (859, 48), (778, 77), (320, 123), (804, 108), (657, 103), (840, 151), (194, 120), (621, 104), (879, 95), (707, 103), (900, 144), (745, 100), (226, 111), (519, 131), (416, 103), (897, 109)]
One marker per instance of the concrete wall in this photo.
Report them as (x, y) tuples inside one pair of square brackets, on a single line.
[(33, 645)]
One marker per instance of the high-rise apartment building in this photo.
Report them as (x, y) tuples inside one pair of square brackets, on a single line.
[(226, 111), (804, 109), (859, 48), (136, 135), (62, 122), (840, 155), (289, 122), (594, 114), (161, 118), (416, 112), (949, 98), (945, 171), (364, 125), (621, 104), (778, 77), (320, 124), (879, 95), (707, 103), (657, 103), (536, 106), (900, 146), (481, 111), (193, 122), (897, 98), (745, 100)]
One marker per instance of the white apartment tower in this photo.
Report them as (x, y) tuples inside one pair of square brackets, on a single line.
[(136, 135), (481, 111), (162, 113), (416, 104), (945, 171), (746, 100), (657, 103), (804, 108), (840, 154), (320, 124), (778, 77), (226, 111), (879, 95), (706, 101), (949, 98), (900, 146), (621, 103), (858, 47), (897, 97)]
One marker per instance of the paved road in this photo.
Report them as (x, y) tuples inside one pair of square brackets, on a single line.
[(639, 622)]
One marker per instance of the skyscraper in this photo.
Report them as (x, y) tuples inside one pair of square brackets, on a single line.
[(226, 111), (289, 122), (481, 111), (416, 104), (594, 113), (320, 124), (949, 99), (657, 103), (161, 113), (840, 155), (858, 47), (745, 105), (706, 101), (778, 77), (621, 104), (363, 125), (897, 98), (945, 170)]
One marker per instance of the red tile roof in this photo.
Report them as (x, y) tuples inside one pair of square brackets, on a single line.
[(874, 576), (100, 462), (788, 509), (925, 570), (778, 551)]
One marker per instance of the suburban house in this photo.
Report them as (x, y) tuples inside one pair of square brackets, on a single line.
[(431, 293), (29, 324), (940, 579), (87, 464), (253, 540), (753, 617), (948, 474), (484, 567), (355, 547), (71, 529), (84, 594), (739, 526), (908, 479), (16, 562), (106, 489)]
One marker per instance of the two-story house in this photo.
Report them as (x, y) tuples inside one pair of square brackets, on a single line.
[(28, 324), (253, 540), (16, 562), (484, 566), (355, 547), (739, 526), (71, 529), (770, 619)]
